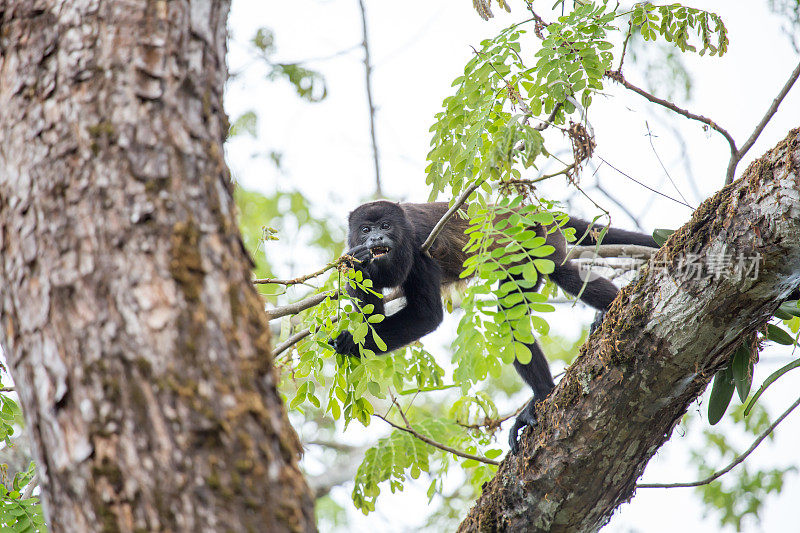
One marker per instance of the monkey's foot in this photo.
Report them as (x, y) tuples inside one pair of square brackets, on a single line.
[(526, 418)]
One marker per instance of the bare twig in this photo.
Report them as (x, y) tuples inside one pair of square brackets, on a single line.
[(619, 78), (666, 172), (435, 444), (728, 468), (302, 279), (368, 73), (437, 229), (302, 305), (643, 185), (625, 44), (761, 125), (493, 423), (619, 204)]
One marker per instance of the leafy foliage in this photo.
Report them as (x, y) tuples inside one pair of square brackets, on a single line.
[(674, 22), (507, 258), (308, 84), (738, 374), (18, 513), (402, 455)]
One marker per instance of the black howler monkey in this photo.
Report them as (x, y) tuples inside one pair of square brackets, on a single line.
[(386, 238)]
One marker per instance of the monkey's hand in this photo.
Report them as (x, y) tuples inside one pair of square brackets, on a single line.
[(344, 344), (362, 253), (526, 418)]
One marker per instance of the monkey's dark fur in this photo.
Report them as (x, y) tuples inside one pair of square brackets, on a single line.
[(386, 238)]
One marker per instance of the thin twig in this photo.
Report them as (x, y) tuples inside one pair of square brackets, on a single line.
[(664, 168), (492, 423), (728, 468), (618, 77), (761, 125), (437, 229), (620, 205), (625, 44), (643, 185), (368, 73), (302, 279)]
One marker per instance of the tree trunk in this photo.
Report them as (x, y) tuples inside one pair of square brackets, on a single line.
[(663, 340), (137, 343)]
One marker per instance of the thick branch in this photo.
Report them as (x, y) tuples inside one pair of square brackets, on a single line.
[(613, 250), (663, 339)]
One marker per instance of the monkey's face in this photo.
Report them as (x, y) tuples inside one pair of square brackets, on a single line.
[(379, 237), (382, 230)]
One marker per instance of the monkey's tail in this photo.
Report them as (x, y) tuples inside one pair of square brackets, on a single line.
[(612, 236)]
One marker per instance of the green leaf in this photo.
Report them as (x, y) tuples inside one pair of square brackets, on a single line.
[(721, 394), (774, 333), (742, 371), (378, 342), (790, 308), (661, 235)]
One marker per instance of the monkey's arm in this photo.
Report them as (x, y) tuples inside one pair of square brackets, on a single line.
[(421, 314)]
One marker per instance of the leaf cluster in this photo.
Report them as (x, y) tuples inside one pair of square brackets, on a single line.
[(18, 514), (674, 23)]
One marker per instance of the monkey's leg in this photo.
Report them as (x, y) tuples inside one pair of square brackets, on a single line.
[(598, 291), (536, 374)]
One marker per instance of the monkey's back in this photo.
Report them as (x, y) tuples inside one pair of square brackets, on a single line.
[(448, 248)]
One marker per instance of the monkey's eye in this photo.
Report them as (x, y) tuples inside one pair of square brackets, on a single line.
[(364, 229), (385, 225)]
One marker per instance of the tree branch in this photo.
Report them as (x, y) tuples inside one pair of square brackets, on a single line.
[(301, 305), (437, 229), (728, 468), (630, 251), (770, 112), (619, 78), (302, 279), (368, 74)]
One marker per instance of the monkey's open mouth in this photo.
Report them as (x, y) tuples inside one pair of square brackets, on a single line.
[(379, 251)]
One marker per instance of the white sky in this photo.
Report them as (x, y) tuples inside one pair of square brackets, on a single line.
[(418, 48)]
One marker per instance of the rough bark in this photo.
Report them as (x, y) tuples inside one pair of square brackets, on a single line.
[(139, 348), (660, 344)]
